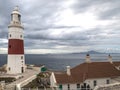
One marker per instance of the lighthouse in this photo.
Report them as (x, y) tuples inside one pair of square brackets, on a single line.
[(16, 57)]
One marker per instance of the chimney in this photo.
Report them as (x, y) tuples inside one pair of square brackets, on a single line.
[(88, 58), (68, 70), (110, 58)]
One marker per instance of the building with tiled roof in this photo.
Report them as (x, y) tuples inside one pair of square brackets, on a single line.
[(86, 75)]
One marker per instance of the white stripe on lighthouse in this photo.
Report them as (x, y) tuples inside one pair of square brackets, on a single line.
[(15, 33), (15, 63)]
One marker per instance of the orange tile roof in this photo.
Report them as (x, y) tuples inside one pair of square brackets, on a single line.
[(88, 71)]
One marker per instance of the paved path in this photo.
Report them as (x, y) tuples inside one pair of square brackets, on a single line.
[(29, 75)]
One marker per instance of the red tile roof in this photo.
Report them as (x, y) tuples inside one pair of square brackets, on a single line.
[(88, 71)]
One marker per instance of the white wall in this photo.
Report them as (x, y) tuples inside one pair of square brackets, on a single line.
[(72, 86), (101, 81), (15, 63), (15, 33), (53, 80)]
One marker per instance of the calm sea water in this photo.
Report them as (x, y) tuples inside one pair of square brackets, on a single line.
[(60, 61)]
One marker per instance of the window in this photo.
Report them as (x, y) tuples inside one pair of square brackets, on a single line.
[(22, 69), (88, 87), (21, 57), (78, 86), (11, 17), (60, 87), (107, 81), (10, 35), (95, 83), (9, 68), (19, 17), (9, 46), (68, 86), (85, 86), (22, 61), (20, 36)]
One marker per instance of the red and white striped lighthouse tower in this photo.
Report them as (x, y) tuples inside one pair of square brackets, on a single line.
[(16, 59)]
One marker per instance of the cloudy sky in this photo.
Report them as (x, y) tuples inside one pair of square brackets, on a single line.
[(64, 26)]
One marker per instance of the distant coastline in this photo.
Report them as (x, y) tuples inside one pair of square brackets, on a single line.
[(87, 52)]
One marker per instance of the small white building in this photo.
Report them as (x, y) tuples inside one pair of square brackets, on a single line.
[(86, 76)]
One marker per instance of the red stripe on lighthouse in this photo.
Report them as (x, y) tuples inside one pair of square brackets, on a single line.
[(15, 46)]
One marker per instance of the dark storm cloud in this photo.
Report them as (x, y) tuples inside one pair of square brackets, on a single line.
[(94, 36), (105, 9), (46, 35), (29, 43), (6, 7), (3, 33), (52, 27), (42, 14), (5, 11), (112, 13), (4, 45), (71, 39), (84, 5)]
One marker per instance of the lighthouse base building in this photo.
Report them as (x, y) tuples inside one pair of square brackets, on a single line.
[(16, 58), (14, 66)]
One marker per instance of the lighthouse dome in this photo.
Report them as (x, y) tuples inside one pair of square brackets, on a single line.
[(16, 10)]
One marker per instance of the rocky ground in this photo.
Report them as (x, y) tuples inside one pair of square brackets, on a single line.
[(42, 81)]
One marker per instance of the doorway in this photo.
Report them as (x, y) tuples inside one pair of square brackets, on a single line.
[(22, 69)]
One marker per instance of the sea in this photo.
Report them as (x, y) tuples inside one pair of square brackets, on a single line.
[(59, 62)]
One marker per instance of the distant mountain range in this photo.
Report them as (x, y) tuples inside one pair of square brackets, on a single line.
[(89, 52)]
